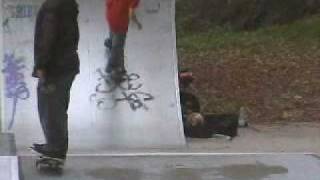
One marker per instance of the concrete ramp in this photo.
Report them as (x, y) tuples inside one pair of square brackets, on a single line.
[(144, 112)]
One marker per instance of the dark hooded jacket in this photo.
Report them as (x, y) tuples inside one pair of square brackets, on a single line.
[(56, 38)]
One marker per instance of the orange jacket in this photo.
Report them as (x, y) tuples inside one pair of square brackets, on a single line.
[(117, 14)]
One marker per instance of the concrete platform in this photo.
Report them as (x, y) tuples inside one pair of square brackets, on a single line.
[(183, 167), (7, 145)]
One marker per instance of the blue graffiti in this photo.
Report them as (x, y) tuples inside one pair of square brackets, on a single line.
[(15, 88), (22, 10)]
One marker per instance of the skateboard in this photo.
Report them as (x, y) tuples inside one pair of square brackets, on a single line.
[(44, 162)]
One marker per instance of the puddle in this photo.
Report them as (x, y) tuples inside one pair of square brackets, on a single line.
[(182, 174), (115, 174), (257, 171)]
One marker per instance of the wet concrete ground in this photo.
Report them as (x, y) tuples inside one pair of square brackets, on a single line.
[(150, 164), (214, 167)]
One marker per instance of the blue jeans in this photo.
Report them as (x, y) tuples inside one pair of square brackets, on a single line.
[(53, 101), (116, 57)]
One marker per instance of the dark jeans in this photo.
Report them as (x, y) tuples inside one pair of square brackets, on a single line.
[(116, 57), (53, 102)]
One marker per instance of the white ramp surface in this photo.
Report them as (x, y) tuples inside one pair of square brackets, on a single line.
[(144, 112), (9, 168)]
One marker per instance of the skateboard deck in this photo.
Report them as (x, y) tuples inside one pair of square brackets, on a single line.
[(44, 162)]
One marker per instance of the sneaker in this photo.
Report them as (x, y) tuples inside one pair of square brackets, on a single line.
[(122, 71), (108, 43), (118, 75), (37, 145), (46, 151), (108, 70)]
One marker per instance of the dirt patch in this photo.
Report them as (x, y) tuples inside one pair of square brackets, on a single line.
[(274, 87)]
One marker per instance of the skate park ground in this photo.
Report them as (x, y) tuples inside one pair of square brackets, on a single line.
[(226, 167), (260, 152)]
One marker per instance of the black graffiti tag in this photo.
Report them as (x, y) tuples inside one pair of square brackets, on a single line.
[(136, 99), (129, 88)]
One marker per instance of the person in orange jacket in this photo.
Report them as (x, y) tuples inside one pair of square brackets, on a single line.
[(118, 15)]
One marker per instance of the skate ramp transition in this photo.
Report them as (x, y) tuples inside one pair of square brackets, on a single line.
[(143, 112)]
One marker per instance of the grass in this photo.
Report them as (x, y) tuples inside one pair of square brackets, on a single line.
[(302, 33)]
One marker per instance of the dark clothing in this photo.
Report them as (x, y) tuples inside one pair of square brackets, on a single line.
[(53, 102), (116, 57), (223, 124), (56, 38), (55, 53)]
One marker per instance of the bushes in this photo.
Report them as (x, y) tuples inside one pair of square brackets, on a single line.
[(201, 15)]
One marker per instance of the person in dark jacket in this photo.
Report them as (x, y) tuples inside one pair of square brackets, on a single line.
[(56, 63)]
